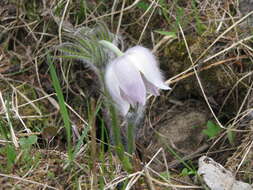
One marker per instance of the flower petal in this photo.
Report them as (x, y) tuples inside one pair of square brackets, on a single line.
[(112, 85), (152, 89), (130, 80), (145, 62)]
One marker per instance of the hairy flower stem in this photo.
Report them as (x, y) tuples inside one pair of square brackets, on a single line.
[(130, 138), (112, 47), (117, 139), (130, 141), (133, 118)]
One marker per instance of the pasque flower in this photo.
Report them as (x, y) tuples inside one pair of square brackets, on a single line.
[(131, 76)]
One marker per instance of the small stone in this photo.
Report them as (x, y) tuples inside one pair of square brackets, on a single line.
[(216, 177)]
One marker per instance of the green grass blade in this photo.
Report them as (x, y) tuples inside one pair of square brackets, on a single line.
[(178, 157), (63, 108), (3, 130), (118, 143), (80, 143)]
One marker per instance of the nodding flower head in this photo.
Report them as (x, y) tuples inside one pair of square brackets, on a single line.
[(131, 76)]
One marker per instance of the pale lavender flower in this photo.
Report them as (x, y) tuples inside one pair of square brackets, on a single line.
[(131, 76)]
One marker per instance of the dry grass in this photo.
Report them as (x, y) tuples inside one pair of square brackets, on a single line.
[(213, 39)]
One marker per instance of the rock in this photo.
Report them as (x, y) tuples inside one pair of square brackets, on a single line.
[(216, 177), (179, 129)]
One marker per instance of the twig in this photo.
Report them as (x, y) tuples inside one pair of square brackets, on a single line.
[(120, 17), (116, 12), (198, 79), (28, 181), (236, 23), (13, 136), (203, 69), (151, 14), (148, 179)]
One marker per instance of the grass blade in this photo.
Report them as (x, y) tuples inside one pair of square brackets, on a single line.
[(63, 108)]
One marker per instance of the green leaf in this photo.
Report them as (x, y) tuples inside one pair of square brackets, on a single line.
[(143, 5), (212, 129), (32, 139), (3, 130), (11, 155), (28, 142), (23, 142), (166, 33), (184, 172)]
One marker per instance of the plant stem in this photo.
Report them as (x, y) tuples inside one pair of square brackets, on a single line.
[(112, 47)]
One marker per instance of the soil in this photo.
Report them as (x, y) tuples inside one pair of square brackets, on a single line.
[(179, 128)]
